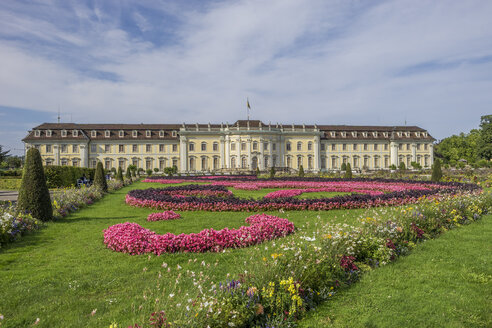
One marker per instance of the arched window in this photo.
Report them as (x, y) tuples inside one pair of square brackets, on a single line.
[(288, 146), (233, 146), (356, 162), (310, 163), (243, 146), (299, 145), (204, 163), (215, 146), (204, 146), (216, 163), (289, 162), (244, 162), (233, 162), (265, 160), (192, 164), (310, 145), (299, 161), (191, 146)]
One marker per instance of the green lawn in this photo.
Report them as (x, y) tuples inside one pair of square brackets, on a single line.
[(445, 282), (63, 272)]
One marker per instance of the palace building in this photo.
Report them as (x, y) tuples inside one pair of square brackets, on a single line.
[(242, 146)]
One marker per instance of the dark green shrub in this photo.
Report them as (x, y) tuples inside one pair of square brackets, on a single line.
[(344, 167), (392, 167), (128, 174), (156, 169), (257, 171), (119, 175), (66, 176), (34, 196), (416, 165), (149, 172), (436, 171), (402, 166), (272, 172), (301, 171), (348, 171), (99, 178)]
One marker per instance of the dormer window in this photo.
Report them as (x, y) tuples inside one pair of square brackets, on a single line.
[(344, 134), (48, 133), (417, 134), (354, 134), (122, 133), (107, 133), (161, 134), (37, 133), (407, 134), (425, 134), (75, 133), (134, 133), (399, 134), (332, 133), (64, 133), (147, 133), (364, 134), (93, 133), (375, 134), (174, 133), (385, 134)]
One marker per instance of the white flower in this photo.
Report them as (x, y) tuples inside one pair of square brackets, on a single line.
[(171, 295)]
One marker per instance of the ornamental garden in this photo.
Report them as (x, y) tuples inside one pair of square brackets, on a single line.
[(215, 251)]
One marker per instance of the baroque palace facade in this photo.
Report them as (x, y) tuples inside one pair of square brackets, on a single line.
[(242, 146)]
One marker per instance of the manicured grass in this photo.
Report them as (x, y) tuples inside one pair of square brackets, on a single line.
[(445, 282), (63, 272)]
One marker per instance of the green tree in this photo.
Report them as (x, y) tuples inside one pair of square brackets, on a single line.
[(436, 171), (128, 174), (348, 171), (149, 172), (301, 171), (484, 141), (402, 166), (3, 154), (462, 146), (99, 178), (272, 172), (14, 162), (119, 175), (344, 167), (34, 195)]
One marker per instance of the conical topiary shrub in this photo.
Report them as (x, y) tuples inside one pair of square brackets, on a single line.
[(301, 171), (34, 196), (119, 175), (128, 174), (99, 178), (436, 171), (272, 172), (348, 171)]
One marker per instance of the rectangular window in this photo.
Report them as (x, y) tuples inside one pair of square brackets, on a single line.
[(107, 134), (255, 146), (408, 146), (287, 146), (63, 148), (93, 148), (161, 148), (107, 148), (135, 162), (161, 134), (147, 133), (322, 147), (37, 133), (344, 147), (204, 146), (175, 162), (355, 147), (121, 148), (233, 146), (107, 164), (299, 146), (175, 147), (191, 146), (243, 146), (122, 134), (75, 148), (48, 148), (418, 146), (215, 146), (265, 146), (134, 133), (135, 148), (425, 146), (274, 146), (64, 133), (310, 146), (333, 147), (93, 164), (148, 148), (375, 146), (400, 147), (93, 134), (385, 146), (365, 147)]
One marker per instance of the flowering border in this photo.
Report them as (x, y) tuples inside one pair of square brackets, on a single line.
[(133, 239)]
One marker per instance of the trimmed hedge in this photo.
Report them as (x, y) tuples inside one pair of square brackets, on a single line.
[(66, 176), (11, 173), (10, 184)]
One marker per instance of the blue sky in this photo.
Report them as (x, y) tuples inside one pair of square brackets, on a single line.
[(428, 63)]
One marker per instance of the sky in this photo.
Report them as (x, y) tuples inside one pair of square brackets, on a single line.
[(424, 63)]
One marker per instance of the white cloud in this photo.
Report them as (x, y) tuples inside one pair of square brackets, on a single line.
[(326, 62)]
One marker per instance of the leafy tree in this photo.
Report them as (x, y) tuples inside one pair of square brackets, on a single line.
[(149, 172), (272, 172), (416, 165), (436, 171), (392, 167), (119, 175), (156, 169), (348, 171), (402, 166), (34, 195), (14, 162), (3, 154), (301, 171), (168, 171), (132, 167), (456, 147), (484, 142), (140, 171), (99, 178), (344, 167)]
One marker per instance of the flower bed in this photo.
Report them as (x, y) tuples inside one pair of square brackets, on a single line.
[(13, 224), (308, 269), (133, 239), (168, 199), (297, 192), (163, 216)]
